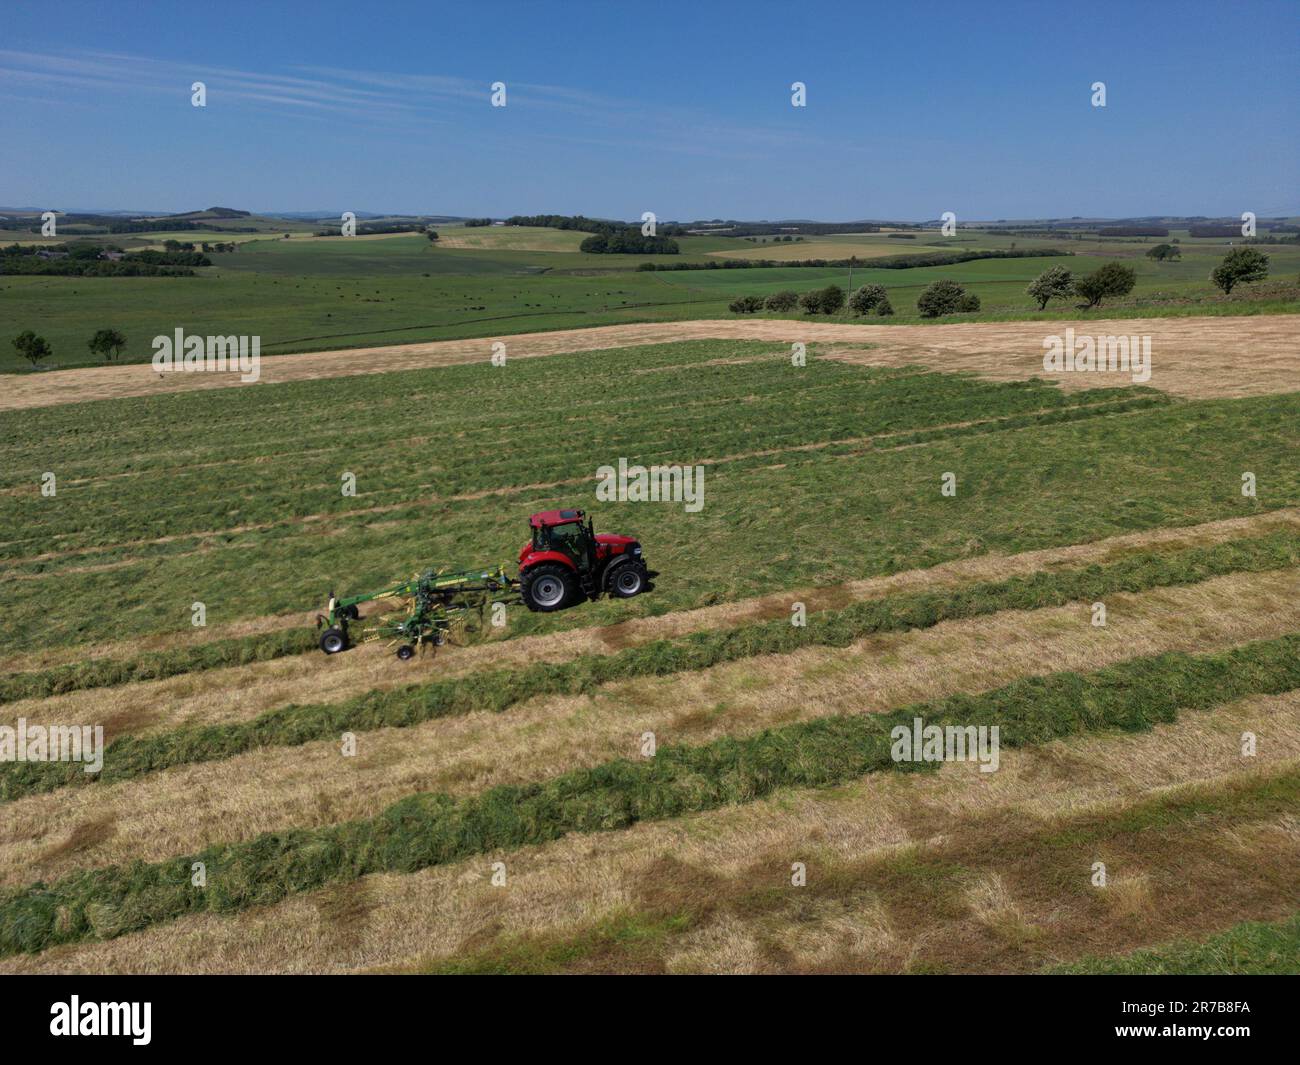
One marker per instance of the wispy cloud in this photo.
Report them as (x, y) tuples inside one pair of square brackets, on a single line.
[(114, 75), (398, 100)]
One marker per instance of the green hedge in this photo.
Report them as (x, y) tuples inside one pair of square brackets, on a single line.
[(888, 262), (423, 830)]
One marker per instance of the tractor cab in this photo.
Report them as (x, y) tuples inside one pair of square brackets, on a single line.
[(566, 560), (567, 531)]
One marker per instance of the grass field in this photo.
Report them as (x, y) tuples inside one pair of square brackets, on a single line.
[(510, 238), (319, 293), (1122, 742), (213, 495)]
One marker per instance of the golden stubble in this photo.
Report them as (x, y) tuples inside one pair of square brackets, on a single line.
[(399, 922), (1195, 357), (239, 693), (186, 808)]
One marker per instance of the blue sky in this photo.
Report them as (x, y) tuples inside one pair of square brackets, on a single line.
[(678, 108)]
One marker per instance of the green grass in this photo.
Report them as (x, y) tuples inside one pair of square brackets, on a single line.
[(154, 665), (133, 756), (1252, 948), (312, 295), (168, 500), (423, 830), (1161, 289), (111, 492), (367, 299), (631, 936), (498, 238)]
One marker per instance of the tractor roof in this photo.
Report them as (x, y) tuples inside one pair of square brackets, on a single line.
[(554, 517)]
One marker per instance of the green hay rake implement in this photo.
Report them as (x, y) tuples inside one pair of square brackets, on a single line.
[(434, 602), (564, 562)]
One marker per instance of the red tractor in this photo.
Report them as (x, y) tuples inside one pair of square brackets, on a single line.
[(566, 560)]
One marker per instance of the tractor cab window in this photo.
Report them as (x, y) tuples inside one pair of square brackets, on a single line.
[(568, 534), (559, 537), (572, 538)]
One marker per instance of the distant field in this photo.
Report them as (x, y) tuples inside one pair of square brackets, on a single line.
[(376, 292), (315, 293), (1000, 283), (863, 245), (823, 248), (134, 241), (335, 235), (510, 238), (221, 228)]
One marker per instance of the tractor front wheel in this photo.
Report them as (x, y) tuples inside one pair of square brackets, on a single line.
[(332, 641), (548, 588), (627, 580)]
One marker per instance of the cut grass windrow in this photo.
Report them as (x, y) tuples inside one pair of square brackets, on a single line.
[(289, 726), (423, 830), (679, 904), (154, 665)]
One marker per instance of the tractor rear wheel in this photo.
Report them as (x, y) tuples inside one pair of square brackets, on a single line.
[(332, 641), (627, 580), (548, 588)]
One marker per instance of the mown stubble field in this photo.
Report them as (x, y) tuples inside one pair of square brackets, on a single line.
[(500, 813)]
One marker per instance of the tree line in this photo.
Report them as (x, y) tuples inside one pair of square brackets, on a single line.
[(628, 241), (106, 342), (612, 238), (375, 227), (943, 297), (83, 259), (1133, 231), (888, 262)]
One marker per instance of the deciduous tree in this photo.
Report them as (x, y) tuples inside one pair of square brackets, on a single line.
[(1238, 266), (1110, 279), (107, 342), (1054, 282), (31, 347)]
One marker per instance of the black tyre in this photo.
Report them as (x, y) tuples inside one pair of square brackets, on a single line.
[(332, 641), (549, 587), (350, 612), (406, 652), (627, 580)]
